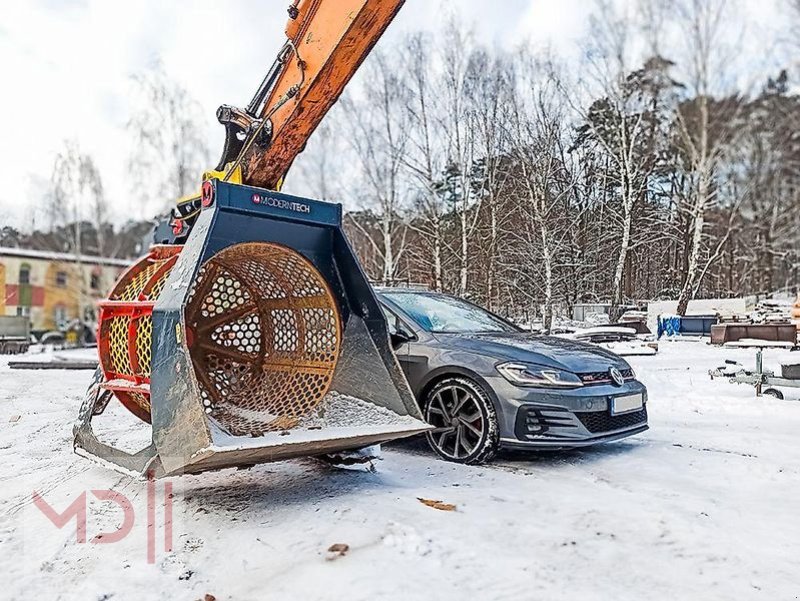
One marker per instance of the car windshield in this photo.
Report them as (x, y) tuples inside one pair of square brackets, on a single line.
[(445, 314)]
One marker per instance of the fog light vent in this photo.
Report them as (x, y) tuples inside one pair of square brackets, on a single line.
[(536, 422)]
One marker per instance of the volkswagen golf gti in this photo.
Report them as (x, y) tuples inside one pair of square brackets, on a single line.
[(484, 384)]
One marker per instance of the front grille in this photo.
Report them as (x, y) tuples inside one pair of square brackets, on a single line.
[(603, 421), (602, 377)]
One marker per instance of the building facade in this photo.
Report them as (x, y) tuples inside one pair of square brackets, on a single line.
[(52, 289)]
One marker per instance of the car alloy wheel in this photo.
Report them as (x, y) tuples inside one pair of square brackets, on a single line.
[(464, 420)]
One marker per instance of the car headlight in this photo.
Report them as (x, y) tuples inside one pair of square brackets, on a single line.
[(525, 374)]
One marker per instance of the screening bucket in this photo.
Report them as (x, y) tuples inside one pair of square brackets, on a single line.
[(258, 340)]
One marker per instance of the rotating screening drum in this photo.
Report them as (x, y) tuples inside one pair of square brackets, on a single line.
[(125, 329), (264, 336), (267, 343)]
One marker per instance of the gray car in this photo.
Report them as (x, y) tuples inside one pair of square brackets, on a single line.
[(485, 384)]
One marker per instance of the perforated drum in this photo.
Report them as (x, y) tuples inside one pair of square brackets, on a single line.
[(125, 328), (264, 334)]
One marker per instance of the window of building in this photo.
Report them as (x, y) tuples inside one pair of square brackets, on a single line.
[(24, 274), (94, 281), (61, 279), (60, 315), (23, 311), (89, 314)]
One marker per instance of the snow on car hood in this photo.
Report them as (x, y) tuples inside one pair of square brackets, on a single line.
[(549, 351)]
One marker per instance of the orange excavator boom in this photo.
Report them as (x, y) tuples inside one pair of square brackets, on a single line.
[(326, 42)]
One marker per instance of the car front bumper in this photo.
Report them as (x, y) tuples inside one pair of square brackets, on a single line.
[(565, 444), (561, 419)]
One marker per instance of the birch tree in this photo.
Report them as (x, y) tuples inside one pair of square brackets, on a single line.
[(378, 132), (623, 124), (425, 159), (460, 136), (77, 197), (490, 96), (703, 128), (169, 150), (77, 200), (536, 139)]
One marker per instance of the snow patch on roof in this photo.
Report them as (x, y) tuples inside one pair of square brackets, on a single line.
[(6, 251)]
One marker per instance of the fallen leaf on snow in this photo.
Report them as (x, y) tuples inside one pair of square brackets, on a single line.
[(337, 550), (437, 504), (14, 419)]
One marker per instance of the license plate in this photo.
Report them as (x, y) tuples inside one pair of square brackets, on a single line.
[(626, 404)]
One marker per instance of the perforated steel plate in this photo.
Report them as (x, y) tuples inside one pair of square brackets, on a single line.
[(126, 332), (264, 335)]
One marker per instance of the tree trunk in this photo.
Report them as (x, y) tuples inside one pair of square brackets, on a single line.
[(693, 266), (619, 270), (437, 253), (547, 261), (463, 276), (701, 201), (490, 293), (388, 251)]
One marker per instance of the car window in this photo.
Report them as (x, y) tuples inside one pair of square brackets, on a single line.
[(442, 314), (391, 320)]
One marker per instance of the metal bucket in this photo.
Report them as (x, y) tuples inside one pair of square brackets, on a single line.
[(259, 340)]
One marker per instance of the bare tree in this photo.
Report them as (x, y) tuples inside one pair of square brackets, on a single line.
[(378, 134), (542, 183), (316, 166), (456, 55), (638, 186), (623, 124), (170, 151), (490, 96), (425, 159), (763, 167), (704, 129), (77, 197)]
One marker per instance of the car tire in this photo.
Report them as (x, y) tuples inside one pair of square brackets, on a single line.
[(475, 438)]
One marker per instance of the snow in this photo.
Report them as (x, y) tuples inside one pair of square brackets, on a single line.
[(226, 442), (339, 416), (337, 412), (343, 411), (707, 306), (759, 343), (604, 330), (629, 344), (45, 354), (7, 251), (702, 506)]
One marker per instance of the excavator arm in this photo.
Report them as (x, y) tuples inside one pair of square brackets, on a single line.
[(326, 42)]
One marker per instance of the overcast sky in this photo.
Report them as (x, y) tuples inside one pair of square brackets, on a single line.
[(67, 67)]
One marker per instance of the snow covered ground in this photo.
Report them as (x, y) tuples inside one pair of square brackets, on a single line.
[(705, 505)]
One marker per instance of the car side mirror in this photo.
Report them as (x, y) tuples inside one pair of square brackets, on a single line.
[(400, 336)]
